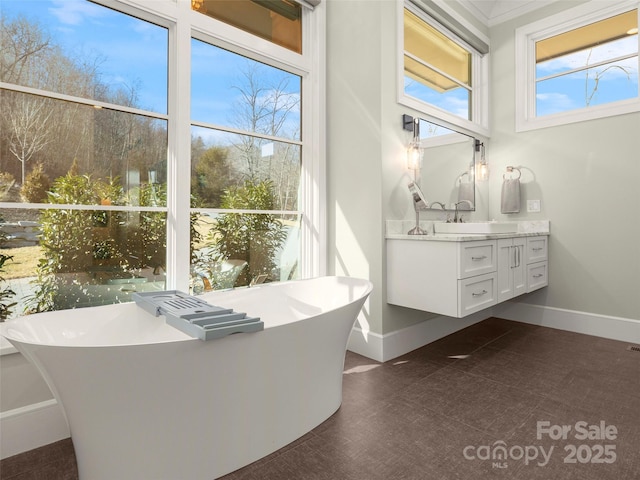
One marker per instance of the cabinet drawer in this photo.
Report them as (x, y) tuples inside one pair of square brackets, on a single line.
[(537, 276), (536, 249), (477, 258), (476, 293)]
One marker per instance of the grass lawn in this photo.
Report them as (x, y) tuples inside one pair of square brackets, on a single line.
[(23, 264)]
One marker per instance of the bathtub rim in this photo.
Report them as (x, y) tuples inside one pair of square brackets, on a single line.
[(172, 334)]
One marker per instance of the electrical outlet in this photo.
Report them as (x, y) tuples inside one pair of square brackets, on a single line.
[(533, 206)]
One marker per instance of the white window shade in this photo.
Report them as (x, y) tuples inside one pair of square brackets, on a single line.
[(448, 20), (583, 38), (448, 65)]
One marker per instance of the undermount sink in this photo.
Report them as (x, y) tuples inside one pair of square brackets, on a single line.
[(475, 228)]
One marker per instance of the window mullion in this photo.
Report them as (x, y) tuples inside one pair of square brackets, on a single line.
[(587, 67), (437, 70), (179, 152), (237, 131), (312, 197)]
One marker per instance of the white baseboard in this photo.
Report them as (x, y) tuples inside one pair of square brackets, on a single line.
[(30, 427), (615, 328), (394, 344), (391, 345)]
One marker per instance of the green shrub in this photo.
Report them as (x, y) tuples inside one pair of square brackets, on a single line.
[(252, 237), (80, 242), (66, 240), (147, 231), (6, 305), (36, 185)]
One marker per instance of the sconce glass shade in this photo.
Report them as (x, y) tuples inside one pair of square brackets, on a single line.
[(482, 167), (414, 156), (482, 171)]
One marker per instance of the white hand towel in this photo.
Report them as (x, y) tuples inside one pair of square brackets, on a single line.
[(510, 200)]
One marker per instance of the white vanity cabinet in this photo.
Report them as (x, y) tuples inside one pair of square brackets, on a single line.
[(458, 278)]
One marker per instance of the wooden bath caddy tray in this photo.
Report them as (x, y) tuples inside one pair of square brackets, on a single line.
[(196, 317)]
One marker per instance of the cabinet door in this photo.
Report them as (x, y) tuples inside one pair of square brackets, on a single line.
[(512, 279), (505, 269), (520, 267)]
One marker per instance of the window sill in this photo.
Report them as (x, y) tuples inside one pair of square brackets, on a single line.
[(575, 116), (447, 119)]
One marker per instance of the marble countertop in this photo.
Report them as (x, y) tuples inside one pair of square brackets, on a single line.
[(397, 230)]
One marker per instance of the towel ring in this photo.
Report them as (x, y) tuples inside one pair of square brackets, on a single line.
[(510, 170)]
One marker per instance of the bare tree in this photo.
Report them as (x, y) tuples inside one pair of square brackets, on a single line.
[(588, 96), (264, 108), (28, 119), (22, 44), (25, 47)]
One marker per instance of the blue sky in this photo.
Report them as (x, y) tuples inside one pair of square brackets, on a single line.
[(133, 52), (130, 52), (570, 91), (215, 77), (455, 101)]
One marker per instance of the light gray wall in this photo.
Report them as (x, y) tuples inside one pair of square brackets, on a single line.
[(366, 163), (586, 175), (365, 149), (353, 145)]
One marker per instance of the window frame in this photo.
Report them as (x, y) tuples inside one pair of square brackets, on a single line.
[(479, 123), (525, 67), (310, 65), (183, 23), (124, 8)]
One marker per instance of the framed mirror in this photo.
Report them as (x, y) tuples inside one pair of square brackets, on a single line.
[(447, 176)]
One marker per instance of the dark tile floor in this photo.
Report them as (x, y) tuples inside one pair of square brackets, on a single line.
[(472, 405)]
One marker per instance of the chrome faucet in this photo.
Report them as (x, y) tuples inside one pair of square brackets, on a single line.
[(457, 219)]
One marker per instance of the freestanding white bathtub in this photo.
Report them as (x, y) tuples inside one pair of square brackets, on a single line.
[(144, 401)]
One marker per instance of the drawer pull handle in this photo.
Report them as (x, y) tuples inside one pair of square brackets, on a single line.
[(475, 259), (483, 292), (538, 275), (537, 249)]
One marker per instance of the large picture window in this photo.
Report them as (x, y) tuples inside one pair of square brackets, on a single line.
[(94, 192), (578, 66), (83, 154), (245, 170)]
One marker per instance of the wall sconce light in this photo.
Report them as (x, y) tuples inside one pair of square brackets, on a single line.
[(414, 160), (414, 152), (482, 167)]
